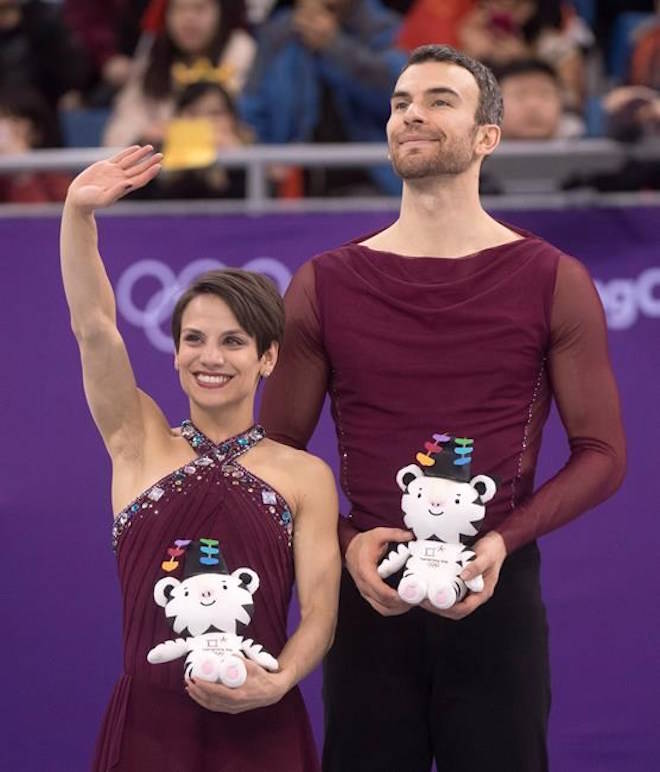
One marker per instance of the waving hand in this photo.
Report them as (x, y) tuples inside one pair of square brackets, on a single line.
[(104, 182)]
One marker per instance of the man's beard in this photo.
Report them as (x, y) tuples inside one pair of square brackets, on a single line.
[(447, 159)]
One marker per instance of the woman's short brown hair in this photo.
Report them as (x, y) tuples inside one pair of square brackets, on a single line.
[(252, 298)]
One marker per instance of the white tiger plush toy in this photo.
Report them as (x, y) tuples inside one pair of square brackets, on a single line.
[(444, 508), (207, 608)]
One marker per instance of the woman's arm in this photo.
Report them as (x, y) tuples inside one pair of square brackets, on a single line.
[(318, 566), (113, 397)]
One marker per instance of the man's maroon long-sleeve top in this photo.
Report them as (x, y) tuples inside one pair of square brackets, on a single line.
[(474, 346)]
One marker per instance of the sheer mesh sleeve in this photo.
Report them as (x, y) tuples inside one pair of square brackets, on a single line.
[(588, 403), (294, 393)]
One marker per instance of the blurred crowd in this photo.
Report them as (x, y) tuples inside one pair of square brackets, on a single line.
[(196, 76)]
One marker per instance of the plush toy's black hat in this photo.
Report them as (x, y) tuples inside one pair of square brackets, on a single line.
[(447, 456), (199, 557), (204, 557)]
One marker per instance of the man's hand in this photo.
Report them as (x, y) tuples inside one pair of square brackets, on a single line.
[(261, 688), (362, 557), (490, 551), (316, 25), (102, 183)]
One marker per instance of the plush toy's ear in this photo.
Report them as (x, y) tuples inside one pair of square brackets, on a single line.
[(248, 579), (406, 475), (163, 589), (485, 487)]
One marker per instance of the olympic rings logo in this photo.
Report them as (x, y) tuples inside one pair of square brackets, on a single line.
[(158, 308)]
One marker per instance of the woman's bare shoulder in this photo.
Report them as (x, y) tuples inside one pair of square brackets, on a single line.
[(302, 474), (292, 458)]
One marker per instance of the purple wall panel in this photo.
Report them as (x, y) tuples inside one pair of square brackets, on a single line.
[(62, 645)]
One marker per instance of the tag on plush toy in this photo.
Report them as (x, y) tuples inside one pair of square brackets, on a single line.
[(189, 144), (444, 506), (205, 609)]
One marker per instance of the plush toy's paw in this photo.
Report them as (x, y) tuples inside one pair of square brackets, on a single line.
[(267, 661), (256, 652), (203, 665), (442, 595), (412, 589), (232, 672), (155, 655), (167, 651), (476, 584), (393, 562)]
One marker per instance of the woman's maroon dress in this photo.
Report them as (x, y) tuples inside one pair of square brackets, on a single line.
[(151, 723)]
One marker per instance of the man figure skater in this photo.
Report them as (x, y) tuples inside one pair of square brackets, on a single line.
[(446, 321)]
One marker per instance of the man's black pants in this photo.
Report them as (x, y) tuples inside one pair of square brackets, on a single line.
[(473, 694)]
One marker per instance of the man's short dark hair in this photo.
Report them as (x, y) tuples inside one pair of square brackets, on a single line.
[(252, 298), (526, 67), (489, 109)]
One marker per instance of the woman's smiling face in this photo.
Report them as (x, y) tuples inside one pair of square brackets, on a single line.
[(217, 360)]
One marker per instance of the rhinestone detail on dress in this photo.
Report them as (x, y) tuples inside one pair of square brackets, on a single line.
[(221, 457)]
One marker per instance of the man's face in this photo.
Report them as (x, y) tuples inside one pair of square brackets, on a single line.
[(532, 106), (432, 129)]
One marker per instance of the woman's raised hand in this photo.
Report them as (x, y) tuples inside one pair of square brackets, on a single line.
[(104, 182)]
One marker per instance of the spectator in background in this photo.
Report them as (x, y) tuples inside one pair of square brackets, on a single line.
[(258, 10), (633, 114), (27, 122), (645, 63), (109, 31), (38, 52), (400, 6), (201, 40), (205, 123), (501, 31), (633, 111), (430, 21), (324, 72), (606, 16), (533, 102)]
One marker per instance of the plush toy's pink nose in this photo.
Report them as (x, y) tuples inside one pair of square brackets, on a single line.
[(437, 503), (207, 594)]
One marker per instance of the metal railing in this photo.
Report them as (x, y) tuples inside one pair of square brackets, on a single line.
[(520, 168)]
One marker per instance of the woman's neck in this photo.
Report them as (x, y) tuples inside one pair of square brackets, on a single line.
[(219, 425)]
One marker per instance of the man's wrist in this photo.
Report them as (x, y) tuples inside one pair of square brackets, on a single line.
[(498, 542), (286, 679)]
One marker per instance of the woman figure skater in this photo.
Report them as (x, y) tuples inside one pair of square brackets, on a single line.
[(218, 482)]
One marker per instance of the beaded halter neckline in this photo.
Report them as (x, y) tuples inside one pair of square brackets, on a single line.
[(211, 456), (226, 450)]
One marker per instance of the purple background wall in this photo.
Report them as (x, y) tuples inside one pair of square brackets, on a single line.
[(61, 642)]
